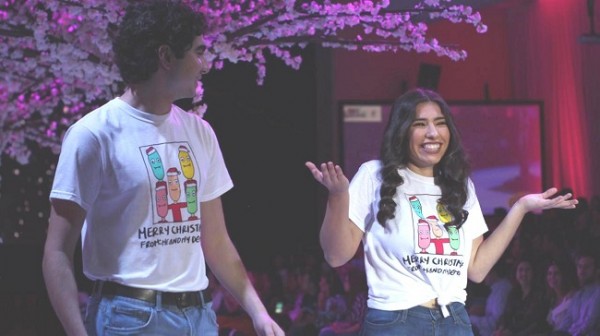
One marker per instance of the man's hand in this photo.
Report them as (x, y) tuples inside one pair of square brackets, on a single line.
[(265, 326)]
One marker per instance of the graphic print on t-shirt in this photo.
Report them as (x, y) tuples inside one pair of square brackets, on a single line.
[(174, 181), (437, 250), (431, 236), (173, 178)]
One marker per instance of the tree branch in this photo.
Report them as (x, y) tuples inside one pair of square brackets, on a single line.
[(255, 25), (16, 32), (319, 39)]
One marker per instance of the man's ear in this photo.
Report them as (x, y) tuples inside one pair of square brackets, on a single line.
[(165, 56)]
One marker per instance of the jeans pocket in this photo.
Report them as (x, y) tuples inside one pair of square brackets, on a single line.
[(458, 311), (378, 317), (126, 316), (210, 313), (91, 311)]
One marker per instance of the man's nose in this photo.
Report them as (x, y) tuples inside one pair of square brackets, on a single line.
[(205, 68), (205, 65)]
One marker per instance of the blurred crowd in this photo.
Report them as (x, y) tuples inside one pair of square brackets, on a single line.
[(547, 283)]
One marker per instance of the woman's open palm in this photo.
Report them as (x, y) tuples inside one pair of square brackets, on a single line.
[(330, 175), (544, 201)]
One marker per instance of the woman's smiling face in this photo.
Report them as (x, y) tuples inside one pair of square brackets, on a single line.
[(429, 137), (554, 277)]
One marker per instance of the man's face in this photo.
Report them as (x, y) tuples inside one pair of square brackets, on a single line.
[(188, 70), (524, 273), (586, 270)]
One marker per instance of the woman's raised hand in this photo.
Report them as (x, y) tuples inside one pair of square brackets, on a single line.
[(543, 201), (330, 175)]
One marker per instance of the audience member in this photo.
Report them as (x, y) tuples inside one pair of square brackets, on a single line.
[(499, 285), (303, 313), (355, 288), (331, 303), (583, 316), (526, 306), (561, 282)]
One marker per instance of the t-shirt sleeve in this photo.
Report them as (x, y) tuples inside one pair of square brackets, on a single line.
[(218, 180), (79, 170), (476, 222), (363, 188)]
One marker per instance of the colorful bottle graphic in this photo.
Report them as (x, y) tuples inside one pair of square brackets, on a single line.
[(454, 239), (175, 194), (424, 235), (191, 190), (187, 167), (445, 216), (435, 226), (416, 205), (162, 206), (156, 163), (173, 181)]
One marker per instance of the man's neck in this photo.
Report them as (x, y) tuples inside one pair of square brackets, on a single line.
[(147, 98)]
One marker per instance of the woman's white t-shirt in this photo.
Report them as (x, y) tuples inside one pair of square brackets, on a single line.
[(414, 259)]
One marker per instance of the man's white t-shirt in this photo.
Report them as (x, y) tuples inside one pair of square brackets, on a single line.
[(141, 178), (414, 259)]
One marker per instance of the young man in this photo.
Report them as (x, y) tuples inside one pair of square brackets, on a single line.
[(583, 315), (141, 180)]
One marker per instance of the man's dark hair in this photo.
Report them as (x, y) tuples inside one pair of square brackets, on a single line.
[(587, 252), (146, 26)]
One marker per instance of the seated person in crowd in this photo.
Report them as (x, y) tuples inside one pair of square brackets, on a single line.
[(583, 315), (561, 280), (355, 287), (526, 306), (484, 323)]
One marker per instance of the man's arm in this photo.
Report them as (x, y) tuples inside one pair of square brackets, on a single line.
[(226, 264), (589, 314), (66, 220)]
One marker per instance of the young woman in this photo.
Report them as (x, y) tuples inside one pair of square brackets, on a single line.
[(420, 222), (561, 278), (526, 306)]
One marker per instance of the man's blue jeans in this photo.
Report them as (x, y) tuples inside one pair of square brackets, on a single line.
[(121, 315), (418, 321)]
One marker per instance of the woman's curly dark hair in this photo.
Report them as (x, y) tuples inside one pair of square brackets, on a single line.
[(450, 174), (146, 26)]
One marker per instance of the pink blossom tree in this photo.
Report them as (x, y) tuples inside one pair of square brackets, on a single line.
[(55, 55)]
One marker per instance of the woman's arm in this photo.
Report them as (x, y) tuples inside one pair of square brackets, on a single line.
[(339, 236), (485, 253)]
